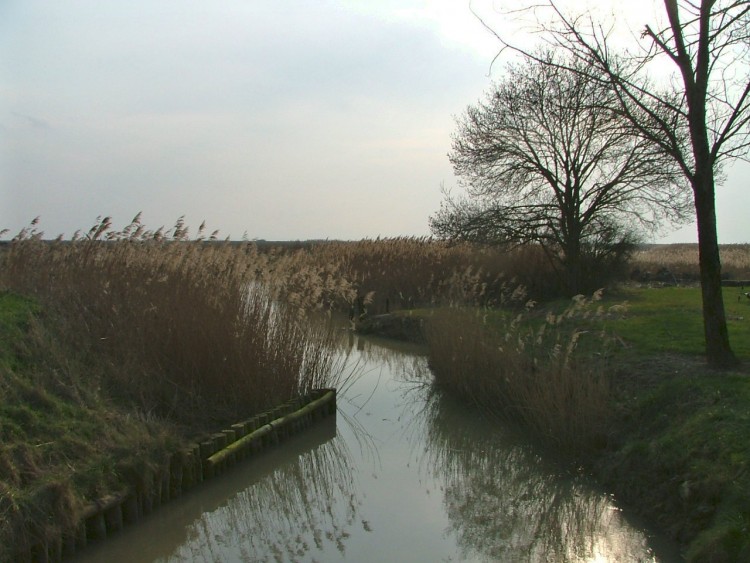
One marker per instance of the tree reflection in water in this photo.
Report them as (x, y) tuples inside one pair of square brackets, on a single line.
[(504, 503)]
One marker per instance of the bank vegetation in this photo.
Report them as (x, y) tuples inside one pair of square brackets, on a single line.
[(120, 344)]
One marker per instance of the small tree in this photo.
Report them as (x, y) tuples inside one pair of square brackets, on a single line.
[(545, 159), (700, 117)]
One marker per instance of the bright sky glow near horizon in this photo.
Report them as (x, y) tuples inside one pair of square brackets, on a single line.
[(278, 119)]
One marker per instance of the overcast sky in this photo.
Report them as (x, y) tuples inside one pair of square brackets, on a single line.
[(277, 119)]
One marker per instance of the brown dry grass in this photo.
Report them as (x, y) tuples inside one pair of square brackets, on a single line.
[(534, 373), (681, 261), (183, 326), (408, 272)]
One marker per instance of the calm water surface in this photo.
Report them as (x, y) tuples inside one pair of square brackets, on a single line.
[(400, 475)]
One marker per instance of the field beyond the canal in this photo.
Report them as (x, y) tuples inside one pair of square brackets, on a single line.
[(681, 444)]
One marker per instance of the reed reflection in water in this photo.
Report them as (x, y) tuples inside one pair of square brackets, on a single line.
[(506, 503), (303, 507), (406, 475), (290, 504)]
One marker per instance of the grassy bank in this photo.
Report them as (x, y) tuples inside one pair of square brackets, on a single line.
[(681, 443), (679, 452), (65, 440), (620, 384), (118, 346)]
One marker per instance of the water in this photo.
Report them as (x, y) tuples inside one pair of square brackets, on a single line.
[(401, 475)]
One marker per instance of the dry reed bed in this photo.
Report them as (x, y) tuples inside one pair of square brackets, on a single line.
[(407, 272), (183, 326), (146, 337), (681, 260), (535, 374)]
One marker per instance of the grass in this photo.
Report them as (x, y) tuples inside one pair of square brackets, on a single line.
[(15, 313), (122, 344), (669, 319), (680, 449), (680, 453), (62, 441)]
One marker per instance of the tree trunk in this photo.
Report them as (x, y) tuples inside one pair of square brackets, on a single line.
[(573, 268), (718, 351)]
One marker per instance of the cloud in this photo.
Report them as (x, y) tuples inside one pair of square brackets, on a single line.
[(280, 118)]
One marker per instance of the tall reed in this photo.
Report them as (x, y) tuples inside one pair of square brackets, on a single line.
[(680, 261), (407, 272), (532, 371), (185, 327)]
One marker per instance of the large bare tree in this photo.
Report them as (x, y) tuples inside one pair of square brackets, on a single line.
[(699, 117), (545, 159)]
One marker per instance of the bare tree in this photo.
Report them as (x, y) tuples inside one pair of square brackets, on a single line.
[(545, 159), (699, 118)]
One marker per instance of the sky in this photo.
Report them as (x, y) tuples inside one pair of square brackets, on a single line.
[(268, 119)]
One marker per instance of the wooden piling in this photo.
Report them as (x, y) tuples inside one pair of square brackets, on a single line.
[(185, 469), (130, 509)]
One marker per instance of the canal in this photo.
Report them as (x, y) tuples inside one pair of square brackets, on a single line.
[(401, 474)]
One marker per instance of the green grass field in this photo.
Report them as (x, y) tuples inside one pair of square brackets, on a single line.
[(669, 319)]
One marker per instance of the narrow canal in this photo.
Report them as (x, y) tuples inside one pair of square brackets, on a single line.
[(401, 474)]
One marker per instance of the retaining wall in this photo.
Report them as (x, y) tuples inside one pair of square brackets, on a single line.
[(185, 469)]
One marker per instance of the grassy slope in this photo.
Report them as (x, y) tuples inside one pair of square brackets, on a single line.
[(63, 443), (682, 448)]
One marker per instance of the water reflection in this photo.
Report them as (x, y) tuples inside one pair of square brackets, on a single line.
[(505, 503), (285, 506), (297, 509), (406, 475)]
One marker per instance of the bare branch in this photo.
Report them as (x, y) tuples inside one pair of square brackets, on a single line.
[(698, 116)]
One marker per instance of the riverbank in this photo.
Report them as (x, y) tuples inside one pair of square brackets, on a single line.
[(78, 460), (676, 447), (64, 439), (679, 452)]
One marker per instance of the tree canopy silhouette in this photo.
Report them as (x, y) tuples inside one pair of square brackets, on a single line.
[(547, 159), (699, 115)]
